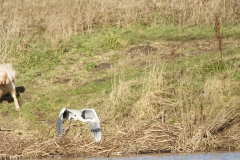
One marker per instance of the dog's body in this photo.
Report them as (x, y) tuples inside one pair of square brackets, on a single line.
[(7, 79)]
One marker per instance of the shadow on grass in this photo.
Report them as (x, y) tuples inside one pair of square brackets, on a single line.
[(19, 90), (9, 98)]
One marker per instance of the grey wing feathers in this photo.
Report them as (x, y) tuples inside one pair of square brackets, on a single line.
[(95, 130), (94, 124), (60, 121)]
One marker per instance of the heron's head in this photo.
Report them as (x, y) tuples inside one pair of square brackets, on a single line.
[(4, 78)]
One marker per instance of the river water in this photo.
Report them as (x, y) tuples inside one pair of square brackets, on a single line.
[(195, 156)]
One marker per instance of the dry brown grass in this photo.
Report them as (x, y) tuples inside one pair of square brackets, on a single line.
[(121, 139), (61, 19), (202, 114)]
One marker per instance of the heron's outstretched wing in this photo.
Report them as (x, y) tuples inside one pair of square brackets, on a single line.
[(64, 113), (90, 116), (95, 130)]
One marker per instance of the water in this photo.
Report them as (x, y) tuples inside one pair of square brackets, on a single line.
[(194, 156)]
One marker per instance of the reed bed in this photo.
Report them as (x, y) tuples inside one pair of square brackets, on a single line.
[(128, 138), (149, 138)]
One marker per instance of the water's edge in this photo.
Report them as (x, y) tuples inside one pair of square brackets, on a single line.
[(169, 156)]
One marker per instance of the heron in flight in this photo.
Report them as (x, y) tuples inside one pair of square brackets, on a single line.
[(84, 115)]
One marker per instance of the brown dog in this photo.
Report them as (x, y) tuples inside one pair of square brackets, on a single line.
[(7, 79)]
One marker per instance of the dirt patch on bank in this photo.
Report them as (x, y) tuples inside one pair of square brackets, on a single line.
[(12, 144), (173, 50)]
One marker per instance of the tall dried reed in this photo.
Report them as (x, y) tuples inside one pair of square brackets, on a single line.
[(202, 111), (218, 34)]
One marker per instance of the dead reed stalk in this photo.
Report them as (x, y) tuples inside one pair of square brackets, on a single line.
[(173, 53), (218, 34)]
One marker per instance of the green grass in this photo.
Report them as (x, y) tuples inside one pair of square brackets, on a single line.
[(91, 87)]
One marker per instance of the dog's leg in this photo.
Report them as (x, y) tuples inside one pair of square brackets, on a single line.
[(13, 93), (12, 89)]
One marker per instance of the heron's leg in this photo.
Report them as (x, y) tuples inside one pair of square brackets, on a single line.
[(68, 129)]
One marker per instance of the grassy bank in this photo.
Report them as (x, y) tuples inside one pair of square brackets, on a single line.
[(157, 87)]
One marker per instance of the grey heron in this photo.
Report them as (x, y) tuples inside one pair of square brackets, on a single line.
[(84, 115)]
